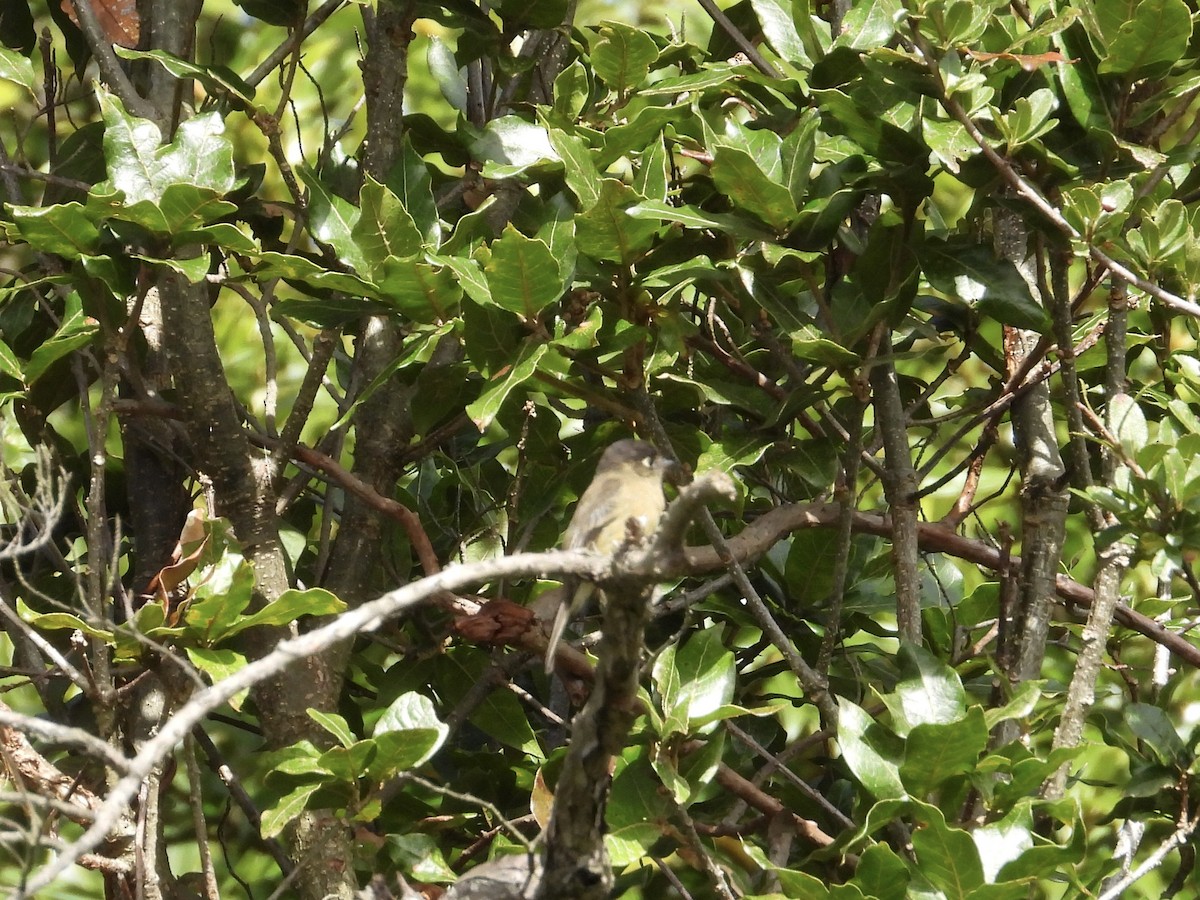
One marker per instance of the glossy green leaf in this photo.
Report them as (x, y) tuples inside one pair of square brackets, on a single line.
[(422, 292), (335, 725), (76, 330), (1128, 423), (332, 219), (486, 408), (582, 176), (694, 681), (60, 621), (409, 732), (9, 364), (1151, 38), (622, 56), (779, 28), (881, 874), (1151, 725), (219, 81), (992, 285), (275, 819), (1004, 841), (740, 178), (409, 180), (636, 817), (928, 691), (281, 265), (935, 753), (871, 752), (143, 168), (289, 606), (522, 274), (18, 69), (511, 146), (63, 229), (383, 229), (607, 232), (219, 665), (947, 856)]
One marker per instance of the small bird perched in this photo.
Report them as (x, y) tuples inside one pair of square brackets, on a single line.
[(627, 487)]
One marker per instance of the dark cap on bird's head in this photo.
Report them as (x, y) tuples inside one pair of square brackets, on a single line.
[(630, 451)]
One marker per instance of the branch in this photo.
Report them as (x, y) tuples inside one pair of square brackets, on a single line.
[(365, 618), (1031, 194), (110, 68)]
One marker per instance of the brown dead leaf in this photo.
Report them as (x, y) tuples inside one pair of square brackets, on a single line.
[(497, 622), (118, 18), (1027, 61)]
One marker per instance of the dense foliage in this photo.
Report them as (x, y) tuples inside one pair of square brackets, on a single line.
[(314, 324)]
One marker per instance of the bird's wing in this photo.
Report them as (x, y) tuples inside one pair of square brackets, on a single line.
[(595, 510)]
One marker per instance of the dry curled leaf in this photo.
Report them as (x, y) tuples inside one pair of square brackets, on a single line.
[(1027, 61)]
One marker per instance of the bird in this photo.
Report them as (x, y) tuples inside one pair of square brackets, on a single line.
[(627, 488)]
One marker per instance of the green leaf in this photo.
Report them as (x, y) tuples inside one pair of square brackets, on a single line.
[(75, 331), (1022, 703), (275, 819), (606, 232), (281, 265), (929, 691), (219, 81), (200, 155), (961, 268), (194, 269), (522, 274), (779, 28), (636, 816), (947, 856), (935, 753), (635, 135), (62, 229), (579, 169), (332, 219), (622, 56), (881, 874), (384, 228), (423, 292), (694, 681), (871, 752), (1151, 725), (1002, 842), (797, 153), (60, 621), (289, 606), (408, 733), (18, 69), (219, 665), (871, 24), (1128, 423), (509, 146), (9, 364), (470, 276), (1150, 41), (182, 207), (692, 217), (485, 409), (222, 596), (409, 180), (571, 90), (420, 855), (335, 725), (739, 178)]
